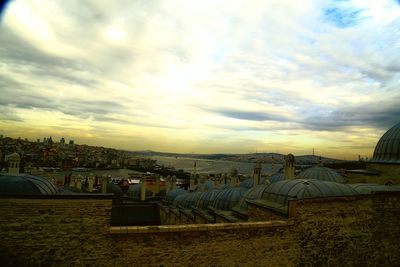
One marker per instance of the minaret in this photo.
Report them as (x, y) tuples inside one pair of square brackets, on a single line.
[(14, 161), (289, 167), (257, 174), (192, 177)]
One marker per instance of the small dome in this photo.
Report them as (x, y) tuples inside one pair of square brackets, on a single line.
[(206, 198), (187, 200), (279, 176), (26, 185), (281, 191), (114, 189), (208, 185), (369, 188), (171, 195), (248, 183), (228, 198), (321, 173), (134, 192), (252, 194), (388, 148)]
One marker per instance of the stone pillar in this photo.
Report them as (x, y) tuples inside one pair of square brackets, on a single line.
[(143, 188), (104, 183), (90, 182), (72, 182), (257, 174), (289, 167), (168, 184), (78, 181)]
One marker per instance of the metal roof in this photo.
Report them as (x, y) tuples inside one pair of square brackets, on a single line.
[(387, 149), (187, 200), (114, 189)]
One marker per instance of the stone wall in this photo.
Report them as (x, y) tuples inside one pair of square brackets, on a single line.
[(257, 212), (350, 231), (357, 231), (42, 232)]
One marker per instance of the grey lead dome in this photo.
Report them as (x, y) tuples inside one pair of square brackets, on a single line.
[(388, 148)]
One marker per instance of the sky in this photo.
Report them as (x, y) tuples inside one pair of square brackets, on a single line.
[(203, 76)]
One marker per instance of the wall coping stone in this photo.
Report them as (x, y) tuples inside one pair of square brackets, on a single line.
[(197, 227), (60, 196)]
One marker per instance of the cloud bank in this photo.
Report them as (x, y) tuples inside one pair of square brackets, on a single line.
[(209, 76)]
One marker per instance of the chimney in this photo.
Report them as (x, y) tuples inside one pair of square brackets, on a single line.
[(104, 183), (143, 188), (157, 186), (90, 182), (257, 174), (14, 161), (174, 182), (289, 167)]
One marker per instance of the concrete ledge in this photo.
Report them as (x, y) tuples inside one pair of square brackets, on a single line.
[(196, 227)]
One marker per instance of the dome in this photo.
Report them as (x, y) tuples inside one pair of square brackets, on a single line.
[(171, 195), (388, 148), (248, 183), (321, 173), (281, 191), (369, 188), (114, 189), (224, 186), (134, 192), (228, 198), (208, 185), (26, 185), (187, 200), (206, 198), (252, 194)]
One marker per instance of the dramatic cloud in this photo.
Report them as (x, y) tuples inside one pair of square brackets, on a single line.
[(207, 76)]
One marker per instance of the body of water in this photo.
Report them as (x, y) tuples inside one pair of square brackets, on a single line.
[(214, 166)]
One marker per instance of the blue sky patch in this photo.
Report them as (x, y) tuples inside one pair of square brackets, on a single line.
[(343, 18)]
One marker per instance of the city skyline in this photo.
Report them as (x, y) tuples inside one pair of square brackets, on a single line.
[(209, 77)]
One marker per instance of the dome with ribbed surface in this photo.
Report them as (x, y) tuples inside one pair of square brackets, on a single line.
[(228, 198), (206, 198), (321, 173), (388, 148), (26, 185), (252, 194), (171, 195), (281, 191), (187, 200), (114, 189)]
